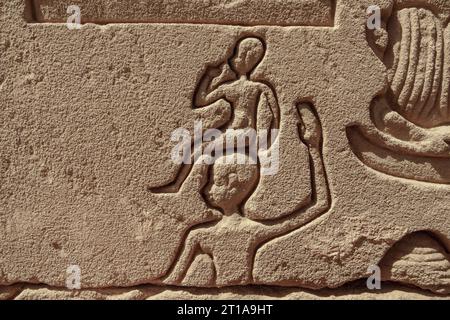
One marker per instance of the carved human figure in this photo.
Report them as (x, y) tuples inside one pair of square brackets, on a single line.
[(253, 104), (407, 134), (232, 241)]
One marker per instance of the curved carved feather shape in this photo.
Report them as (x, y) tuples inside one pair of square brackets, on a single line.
[(418, 67), (409, 134)]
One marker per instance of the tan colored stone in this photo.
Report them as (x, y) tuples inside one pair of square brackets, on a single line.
[(349, 292), (359, 120), (249, 12), (420, 260)]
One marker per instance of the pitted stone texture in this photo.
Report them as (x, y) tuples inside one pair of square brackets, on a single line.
[(87, 120), (349, 292), (249, 12)]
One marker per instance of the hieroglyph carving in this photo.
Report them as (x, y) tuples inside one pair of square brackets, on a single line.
[(410, 132), (232, 237)]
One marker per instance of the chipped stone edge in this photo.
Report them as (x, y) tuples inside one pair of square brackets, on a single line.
[(352, 291)]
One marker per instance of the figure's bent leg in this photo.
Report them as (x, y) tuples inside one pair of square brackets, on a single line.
[(184, 261)]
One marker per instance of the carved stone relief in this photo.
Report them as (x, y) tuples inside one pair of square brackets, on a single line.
[(224, 143), (410, 135)]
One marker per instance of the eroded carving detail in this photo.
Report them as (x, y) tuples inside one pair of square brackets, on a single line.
[(410, 132), (420, 260), (149, 292)]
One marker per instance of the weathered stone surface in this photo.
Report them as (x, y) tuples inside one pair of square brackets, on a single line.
[(355, 172), (350, 292), (249, 12), (420, 260)]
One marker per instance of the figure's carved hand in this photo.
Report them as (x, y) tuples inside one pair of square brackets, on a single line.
[(309, 129)]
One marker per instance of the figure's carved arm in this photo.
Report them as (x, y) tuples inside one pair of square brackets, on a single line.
[(386, 119), (321, 199)]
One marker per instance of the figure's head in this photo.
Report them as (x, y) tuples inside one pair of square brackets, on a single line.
[(230, 183), (248, 54)]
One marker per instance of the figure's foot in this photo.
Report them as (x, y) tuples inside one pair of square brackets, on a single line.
[(310, 129)]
